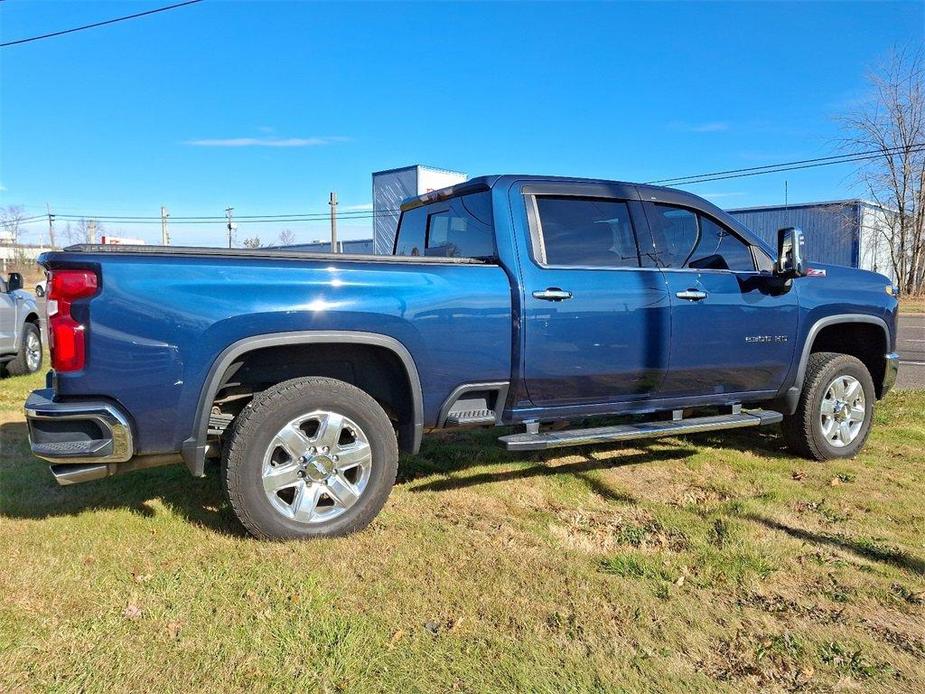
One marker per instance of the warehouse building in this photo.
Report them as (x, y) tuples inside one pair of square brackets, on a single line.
[(840, 232)]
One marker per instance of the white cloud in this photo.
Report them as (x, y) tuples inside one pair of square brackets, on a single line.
[(710, 127), (365, 207), (719, 195), (266, 141)]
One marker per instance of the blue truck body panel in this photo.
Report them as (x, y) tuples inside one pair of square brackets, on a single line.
[(160, 322), (624, 341)]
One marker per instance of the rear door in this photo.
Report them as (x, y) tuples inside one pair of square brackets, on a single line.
[(7, 320), (595, 322), (733, 326)]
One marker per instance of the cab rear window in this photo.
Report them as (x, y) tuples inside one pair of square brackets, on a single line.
[(460, 227)]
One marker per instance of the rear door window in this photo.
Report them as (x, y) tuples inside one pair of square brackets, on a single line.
[(586, 232)]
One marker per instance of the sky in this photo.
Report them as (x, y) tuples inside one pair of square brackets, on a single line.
[(269, 106)]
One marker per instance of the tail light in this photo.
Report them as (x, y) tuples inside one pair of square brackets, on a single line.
[(66, 335)]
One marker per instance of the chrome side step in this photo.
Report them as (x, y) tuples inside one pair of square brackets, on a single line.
[(643, 430)]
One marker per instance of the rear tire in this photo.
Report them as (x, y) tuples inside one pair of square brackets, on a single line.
[(835, 410), (310, 457), (29, 358)]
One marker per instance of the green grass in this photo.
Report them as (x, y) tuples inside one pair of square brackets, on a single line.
[(912, 304), (711, 563)]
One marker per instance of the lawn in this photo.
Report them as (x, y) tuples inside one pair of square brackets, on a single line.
[(912, 304), (708, 563)]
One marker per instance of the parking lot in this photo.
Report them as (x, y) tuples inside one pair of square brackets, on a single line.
[(911, 348)]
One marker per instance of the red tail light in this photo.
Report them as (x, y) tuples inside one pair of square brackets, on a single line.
[(66, 335)]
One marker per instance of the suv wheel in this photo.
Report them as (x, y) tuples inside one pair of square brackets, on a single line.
[(836, 407), (29, 358), (310, 457)]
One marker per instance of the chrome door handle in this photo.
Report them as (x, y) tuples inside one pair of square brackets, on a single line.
[(552, 294), (692, 295)]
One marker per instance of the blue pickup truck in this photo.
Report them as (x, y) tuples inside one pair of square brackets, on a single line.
[(530, 301)]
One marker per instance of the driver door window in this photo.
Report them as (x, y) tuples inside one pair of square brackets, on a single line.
[(685, 239)]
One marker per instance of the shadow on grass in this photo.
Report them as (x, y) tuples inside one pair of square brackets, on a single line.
[(866, 549), (543, 470), (28, 490)]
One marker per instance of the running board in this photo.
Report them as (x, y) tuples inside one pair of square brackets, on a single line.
[(643, 430)]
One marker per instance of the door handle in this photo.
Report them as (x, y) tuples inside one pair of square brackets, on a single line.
[(692, 295), (552, 294)]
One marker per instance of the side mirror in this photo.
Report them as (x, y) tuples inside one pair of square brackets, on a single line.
[(790, 249), (14, 282)]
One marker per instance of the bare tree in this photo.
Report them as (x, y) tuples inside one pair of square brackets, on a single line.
[(11, 218), (892, 122), (286, 237), (81, 233), (252, 242)]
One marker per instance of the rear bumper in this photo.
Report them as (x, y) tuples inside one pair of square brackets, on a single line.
[(889, 373), (86, 431)]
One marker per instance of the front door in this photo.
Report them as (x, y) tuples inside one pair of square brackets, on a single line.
[(733, 328), (595, 323)]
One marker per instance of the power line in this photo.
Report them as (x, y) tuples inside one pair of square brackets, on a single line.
[(771, 168), (393, 212), (99, 24)]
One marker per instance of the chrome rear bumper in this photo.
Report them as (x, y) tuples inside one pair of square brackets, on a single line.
[(86, 431)]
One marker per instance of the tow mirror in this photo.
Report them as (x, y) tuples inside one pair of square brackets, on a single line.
[(790, 249), (14, 282)]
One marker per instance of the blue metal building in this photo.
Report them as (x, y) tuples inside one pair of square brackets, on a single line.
[(840, 232)]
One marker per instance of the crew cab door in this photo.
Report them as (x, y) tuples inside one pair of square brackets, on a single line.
[(733, 327), (594, 322)]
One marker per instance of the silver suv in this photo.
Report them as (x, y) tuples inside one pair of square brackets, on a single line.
[(20, 332)]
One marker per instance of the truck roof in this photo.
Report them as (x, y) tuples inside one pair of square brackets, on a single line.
[(646, 191)]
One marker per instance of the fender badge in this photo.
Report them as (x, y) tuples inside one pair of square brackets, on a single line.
[(815, 272)]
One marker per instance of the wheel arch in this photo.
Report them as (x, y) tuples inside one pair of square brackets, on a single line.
[(821, 337), (194, 448)]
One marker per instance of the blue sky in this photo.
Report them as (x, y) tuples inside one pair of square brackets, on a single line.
[(268, 106)]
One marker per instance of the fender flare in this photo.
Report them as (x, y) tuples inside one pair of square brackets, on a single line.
[(194, 448), (792, 394)]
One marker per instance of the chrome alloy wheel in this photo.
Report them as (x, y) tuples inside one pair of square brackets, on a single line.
[(33, 352), (843, 411), (316, 467)]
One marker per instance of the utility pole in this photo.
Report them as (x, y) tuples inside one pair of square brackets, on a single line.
[(51, 226), (165, 232), (91, 231), (333, 203), (786, 194), (228, 213)]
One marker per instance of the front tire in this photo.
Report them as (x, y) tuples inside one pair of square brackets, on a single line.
[(29, 358), (835, 411), (310, 457)]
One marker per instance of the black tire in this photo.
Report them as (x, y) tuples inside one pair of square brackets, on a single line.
[(803, 429), (22, 365), (259, 423)]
